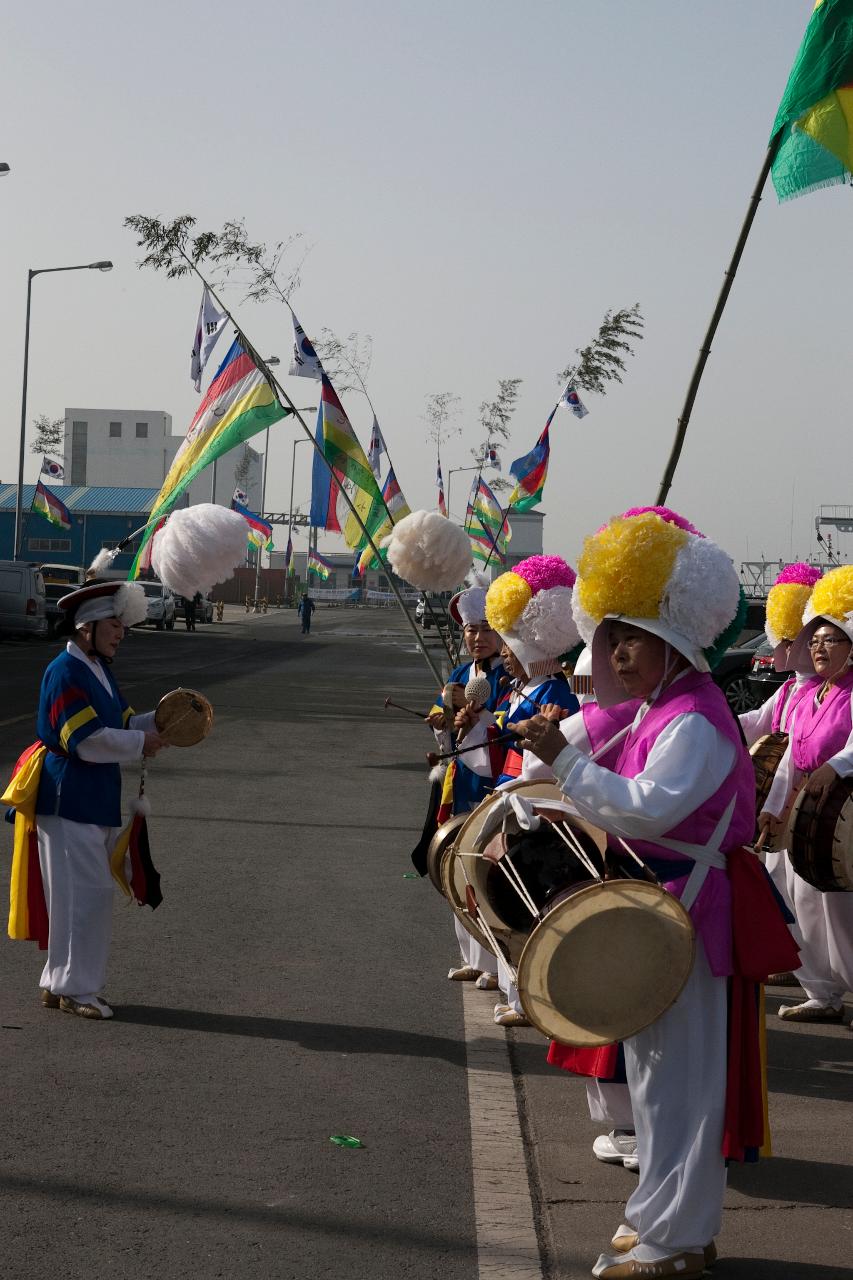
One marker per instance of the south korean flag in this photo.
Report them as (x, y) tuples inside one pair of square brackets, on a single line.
[(211, 321)]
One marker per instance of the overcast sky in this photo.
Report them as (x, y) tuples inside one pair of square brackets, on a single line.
[(476, 182)]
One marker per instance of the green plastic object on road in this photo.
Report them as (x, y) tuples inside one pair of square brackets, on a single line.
[(345, 1140), (411, 875)]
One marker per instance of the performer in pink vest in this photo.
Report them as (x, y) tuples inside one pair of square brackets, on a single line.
[(786, 603), (658, 603), (820, 750)]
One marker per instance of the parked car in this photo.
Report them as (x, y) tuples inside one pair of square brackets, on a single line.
[(764, 680), (733, 673), (22, 599), (59, 580), (432, 610), (161, 606)]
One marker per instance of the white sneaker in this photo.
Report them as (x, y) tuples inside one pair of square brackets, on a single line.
[(617, 1147)]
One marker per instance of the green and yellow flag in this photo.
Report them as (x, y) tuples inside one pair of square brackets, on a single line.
[(813, 131)]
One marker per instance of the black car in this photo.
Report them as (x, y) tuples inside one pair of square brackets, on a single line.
[(733, 673), (764, 679)]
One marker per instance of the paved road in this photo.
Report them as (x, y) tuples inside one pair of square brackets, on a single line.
[(291, 987)]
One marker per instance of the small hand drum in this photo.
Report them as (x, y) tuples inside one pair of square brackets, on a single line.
[(184, 717)]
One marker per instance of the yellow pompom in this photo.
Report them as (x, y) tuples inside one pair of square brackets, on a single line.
[(506, 600), (786, 604), (625, 567), (833, 593)]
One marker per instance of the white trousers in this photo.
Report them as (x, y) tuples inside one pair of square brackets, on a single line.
[(825, 923), (472, 953), (609, 1103), (78, 890), (676, 1072), (507, 985)]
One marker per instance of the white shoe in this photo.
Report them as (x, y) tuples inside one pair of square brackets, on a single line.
[(617, 1147), (487, 982)]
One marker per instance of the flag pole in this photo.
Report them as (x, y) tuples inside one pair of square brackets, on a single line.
[(285, 400), (705, 349)]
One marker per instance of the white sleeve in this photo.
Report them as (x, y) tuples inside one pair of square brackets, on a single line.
[(687, 764), (842, 761), (144, 721), (479, 761), (756, 723), (574, 731), (112, 746)]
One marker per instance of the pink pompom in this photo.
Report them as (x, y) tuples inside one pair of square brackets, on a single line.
[(805, 574), (542, 572), (665, 513)]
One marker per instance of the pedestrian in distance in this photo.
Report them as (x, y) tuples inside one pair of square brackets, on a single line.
[(305, 609), (190, 605)]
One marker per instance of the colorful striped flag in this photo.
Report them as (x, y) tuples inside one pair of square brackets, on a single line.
[(349, 467), (238, 403), (50, 507), (439, 480), (318, 566), (531, 471), (397, 507), (487, 530), (260, 531), (813, 131)]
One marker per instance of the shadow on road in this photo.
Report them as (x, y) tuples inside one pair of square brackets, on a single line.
[(797, 1181), (317, 1036), (98, 1195), (810, 1065)]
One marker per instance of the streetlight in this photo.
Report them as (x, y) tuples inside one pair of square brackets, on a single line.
[(39, 271), (449, 475)]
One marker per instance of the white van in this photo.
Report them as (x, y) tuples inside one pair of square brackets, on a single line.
[(22, 599), (59, 580)]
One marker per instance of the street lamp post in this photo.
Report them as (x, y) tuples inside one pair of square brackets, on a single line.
[(449, 476), (298, 440), (39, 271)]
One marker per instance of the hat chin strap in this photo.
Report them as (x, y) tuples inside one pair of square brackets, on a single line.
[(670, 660)]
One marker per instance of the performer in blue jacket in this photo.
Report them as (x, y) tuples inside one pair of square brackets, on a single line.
[(89, 730)]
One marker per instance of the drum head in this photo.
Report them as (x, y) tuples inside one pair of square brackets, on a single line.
[(439, 848), (184, 717), (606, 962), (454, 886)]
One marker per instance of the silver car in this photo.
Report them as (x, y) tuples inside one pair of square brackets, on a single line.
[(22, 599), (161, 606)]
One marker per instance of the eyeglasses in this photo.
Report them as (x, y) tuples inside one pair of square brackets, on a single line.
[(827, 642)]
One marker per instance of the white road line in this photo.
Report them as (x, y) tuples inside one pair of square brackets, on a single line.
[(507, 1247)]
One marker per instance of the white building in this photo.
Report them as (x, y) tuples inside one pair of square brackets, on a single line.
[(136, 447)]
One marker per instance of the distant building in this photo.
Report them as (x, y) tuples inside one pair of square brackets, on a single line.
[(135, 447), (101, 516)]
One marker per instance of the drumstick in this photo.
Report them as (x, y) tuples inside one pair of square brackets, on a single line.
[(510, 870), (508, 736), (389, 702)]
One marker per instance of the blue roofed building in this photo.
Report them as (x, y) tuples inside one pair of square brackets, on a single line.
[(101, 516)]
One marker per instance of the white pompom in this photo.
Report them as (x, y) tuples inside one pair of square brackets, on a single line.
[(702, 594), (199, 547), (437, 772), (547, 621), (141, 805), (429, 551), (131, 606), (102, 561), (584, 621)]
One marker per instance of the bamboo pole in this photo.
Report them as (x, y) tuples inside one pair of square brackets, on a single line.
[(705, 349)]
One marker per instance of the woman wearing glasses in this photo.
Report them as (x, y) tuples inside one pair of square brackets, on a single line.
[(820, 750)]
